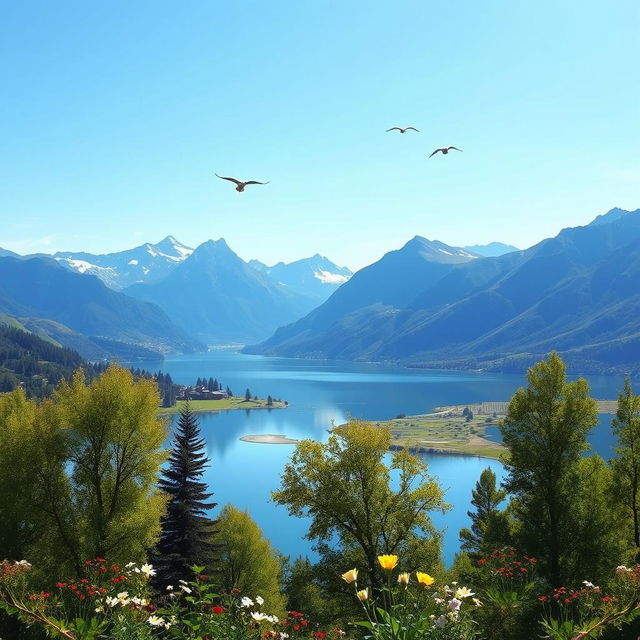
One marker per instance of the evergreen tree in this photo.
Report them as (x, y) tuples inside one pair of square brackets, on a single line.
[(488, 524), (247, 395), (186, 536), (269, 401), (211, 385), (216, 385), (626, 466), (229, 392)]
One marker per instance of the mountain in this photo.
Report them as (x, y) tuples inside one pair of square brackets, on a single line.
[(611, 216), (146, 263), (316, 277), (4, 253), (491, 250), (578, 293), (80, 310), (369, 300), (217, 297)]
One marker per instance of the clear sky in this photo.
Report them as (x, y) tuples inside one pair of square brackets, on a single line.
[(114, 116)]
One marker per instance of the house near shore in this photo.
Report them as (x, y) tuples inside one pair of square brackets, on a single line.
[(200, 393)]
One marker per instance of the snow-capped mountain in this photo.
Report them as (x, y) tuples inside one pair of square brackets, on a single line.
[(146, 263), (316, 277)]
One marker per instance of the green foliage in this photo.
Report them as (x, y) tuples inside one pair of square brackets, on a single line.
[(489, 526), (343, 485), (545, 431), (248, 562), (626, 464), (80, 469)]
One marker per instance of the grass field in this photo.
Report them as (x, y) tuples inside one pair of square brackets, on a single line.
[(227, 404), (500, 408), (434, 433)]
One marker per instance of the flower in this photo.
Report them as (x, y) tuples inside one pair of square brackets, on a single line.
[(155, 621), (217, 609), (363, 595), (169, 587), (388, 562), (424, 579), (454, 604), (441, 622), (463, 592), (258, 617), (147, 570), (185, 589), (589, 585), (350, 576), (403, 578), (246, 602), (259, 600)]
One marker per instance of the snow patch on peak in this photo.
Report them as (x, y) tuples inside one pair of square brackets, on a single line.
[(326, 277), (133, 262)]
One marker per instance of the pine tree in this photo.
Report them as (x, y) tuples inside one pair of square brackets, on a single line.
[(186, 536), (488, 524), (247, 395), (229, 392)]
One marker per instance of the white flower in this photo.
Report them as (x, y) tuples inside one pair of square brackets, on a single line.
[(123, 598), (155, 621), (441, 622), (477, 602), (24, 563), (147, 570), (463, 592), (246, 602), (454, 604), (169, 587), (112, 602), (589, 585), (258, 617), (273, 619), (99, 609), (438, 600), (259, 600), (185, 589), (284, 635), (129, 565), (183, 582)]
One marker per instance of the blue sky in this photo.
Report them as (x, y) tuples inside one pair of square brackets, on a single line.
[(116, 114)]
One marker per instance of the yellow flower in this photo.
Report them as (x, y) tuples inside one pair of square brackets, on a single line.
[(424, 579), (350, 576), (363, 595), (388, 562), (403, 578)]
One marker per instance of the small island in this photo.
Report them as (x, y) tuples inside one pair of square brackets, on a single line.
[(269, 438)]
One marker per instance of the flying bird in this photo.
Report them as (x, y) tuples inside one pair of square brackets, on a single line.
[(445, 150), (240, 185), (401, 130)]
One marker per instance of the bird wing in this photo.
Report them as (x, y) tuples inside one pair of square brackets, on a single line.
[(456, 148), (229, 179), (412, 128), (256, 182), (394, 129), (436, 151)]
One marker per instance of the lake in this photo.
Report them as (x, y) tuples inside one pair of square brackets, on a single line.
[(320, 392)]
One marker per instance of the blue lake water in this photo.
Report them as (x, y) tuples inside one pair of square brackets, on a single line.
[(321, 392)]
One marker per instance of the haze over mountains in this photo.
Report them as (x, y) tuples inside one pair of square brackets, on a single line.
[(578, 293)]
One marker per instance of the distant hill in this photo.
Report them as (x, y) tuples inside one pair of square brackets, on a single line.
[(611, 216), (578, 293), (491, 250), (316, 277), (80, 310), (6, 253), (146, 263), (34, 363), (217, 297)]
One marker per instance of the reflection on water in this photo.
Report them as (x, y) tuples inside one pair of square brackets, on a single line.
[(321, 392)]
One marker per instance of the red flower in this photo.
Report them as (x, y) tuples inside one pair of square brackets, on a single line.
[(296, 627), (607, 599), (217, 609), (202, 577), (100, 560), (319, 634), (567, 600), (542, 598), (61, 585), (87, 563)]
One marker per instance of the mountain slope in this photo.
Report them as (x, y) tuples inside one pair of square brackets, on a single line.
[(146, 263), (491, 250), (41, 288), (217, 297), (578, 292)]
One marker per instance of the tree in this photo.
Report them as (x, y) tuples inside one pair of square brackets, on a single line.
[(247, 395), (229, 392), (488, 523), (186, 532), (343, 485), (545, 431), (626, 466), (269, 401), (83, 470), (247, 560), (469, 416)]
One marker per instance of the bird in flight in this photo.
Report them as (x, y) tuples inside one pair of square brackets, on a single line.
[(445, 150), (401, 130), (239, 184)]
